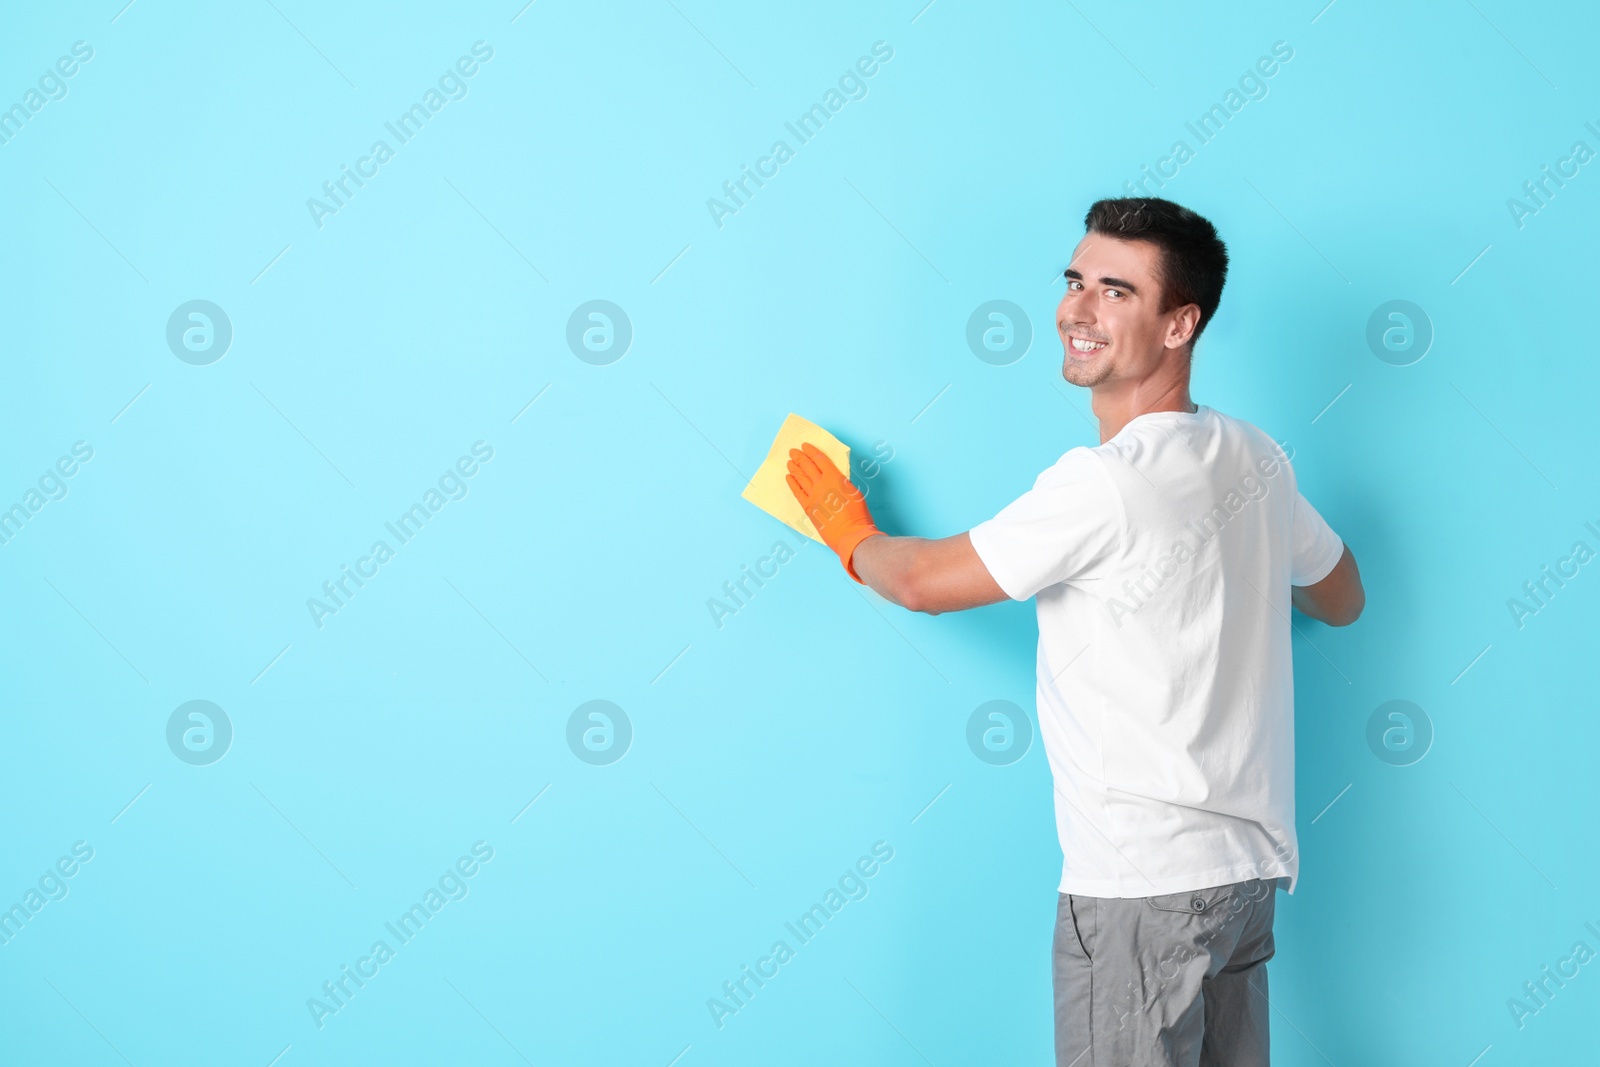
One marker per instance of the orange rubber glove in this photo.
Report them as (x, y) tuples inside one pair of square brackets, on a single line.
[(833, 504)]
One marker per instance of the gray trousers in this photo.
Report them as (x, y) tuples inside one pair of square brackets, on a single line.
[(1178, 980)]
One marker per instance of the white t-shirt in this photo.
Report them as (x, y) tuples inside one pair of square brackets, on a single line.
[(1162, 561)]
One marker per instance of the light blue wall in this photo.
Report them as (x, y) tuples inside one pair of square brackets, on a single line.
[(768, 754)]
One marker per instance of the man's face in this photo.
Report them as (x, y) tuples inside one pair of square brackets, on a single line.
[(1113, 299)]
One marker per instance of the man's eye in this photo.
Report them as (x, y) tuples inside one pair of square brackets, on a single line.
[(1117, 291)]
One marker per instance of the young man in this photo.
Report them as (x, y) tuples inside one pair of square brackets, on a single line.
[(1165, 562)]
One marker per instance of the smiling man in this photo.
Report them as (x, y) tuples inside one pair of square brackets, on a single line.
[(1165, 563)]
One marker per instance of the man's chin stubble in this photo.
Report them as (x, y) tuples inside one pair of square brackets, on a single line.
[(1086, 376)]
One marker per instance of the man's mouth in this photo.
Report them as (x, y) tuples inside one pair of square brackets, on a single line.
[(1084, 347)]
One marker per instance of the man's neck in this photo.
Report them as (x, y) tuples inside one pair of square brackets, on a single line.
[(1115, 409)]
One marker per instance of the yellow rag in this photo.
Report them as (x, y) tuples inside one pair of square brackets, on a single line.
[(770, 492)]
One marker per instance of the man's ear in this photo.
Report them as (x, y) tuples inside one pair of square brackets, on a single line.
[(1188, 317), (1189, 313)]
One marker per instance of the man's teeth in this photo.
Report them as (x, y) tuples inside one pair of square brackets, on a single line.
[(1087, 346)]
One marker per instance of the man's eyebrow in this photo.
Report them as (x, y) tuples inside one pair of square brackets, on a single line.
[(1116, 283)]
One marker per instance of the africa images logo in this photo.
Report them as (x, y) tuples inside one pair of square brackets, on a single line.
[(452, 85)]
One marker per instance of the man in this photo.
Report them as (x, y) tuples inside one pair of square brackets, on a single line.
[(1165, 563)]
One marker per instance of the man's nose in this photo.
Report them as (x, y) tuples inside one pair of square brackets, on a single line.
[(1069, 314)]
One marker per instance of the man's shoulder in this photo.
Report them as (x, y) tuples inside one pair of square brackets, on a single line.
[(1078, 463), (1249, 431)]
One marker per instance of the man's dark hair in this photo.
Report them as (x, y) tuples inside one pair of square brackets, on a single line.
[(1194, 261)]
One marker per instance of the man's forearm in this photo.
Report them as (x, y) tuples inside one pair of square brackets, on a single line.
[(1338, 599), (930, 576), (913, 572), (888, 566)]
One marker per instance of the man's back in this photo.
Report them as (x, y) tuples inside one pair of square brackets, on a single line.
[(1162, 561)]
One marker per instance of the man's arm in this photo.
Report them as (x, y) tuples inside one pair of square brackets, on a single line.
[(1336, 600), (913, 572), (927, 576)]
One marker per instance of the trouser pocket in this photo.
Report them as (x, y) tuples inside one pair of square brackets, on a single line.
[(1075, 923)]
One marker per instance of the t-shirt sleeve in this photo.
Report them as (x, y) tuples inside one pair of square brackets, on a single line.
[(1067, 526), (1316, 549)]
